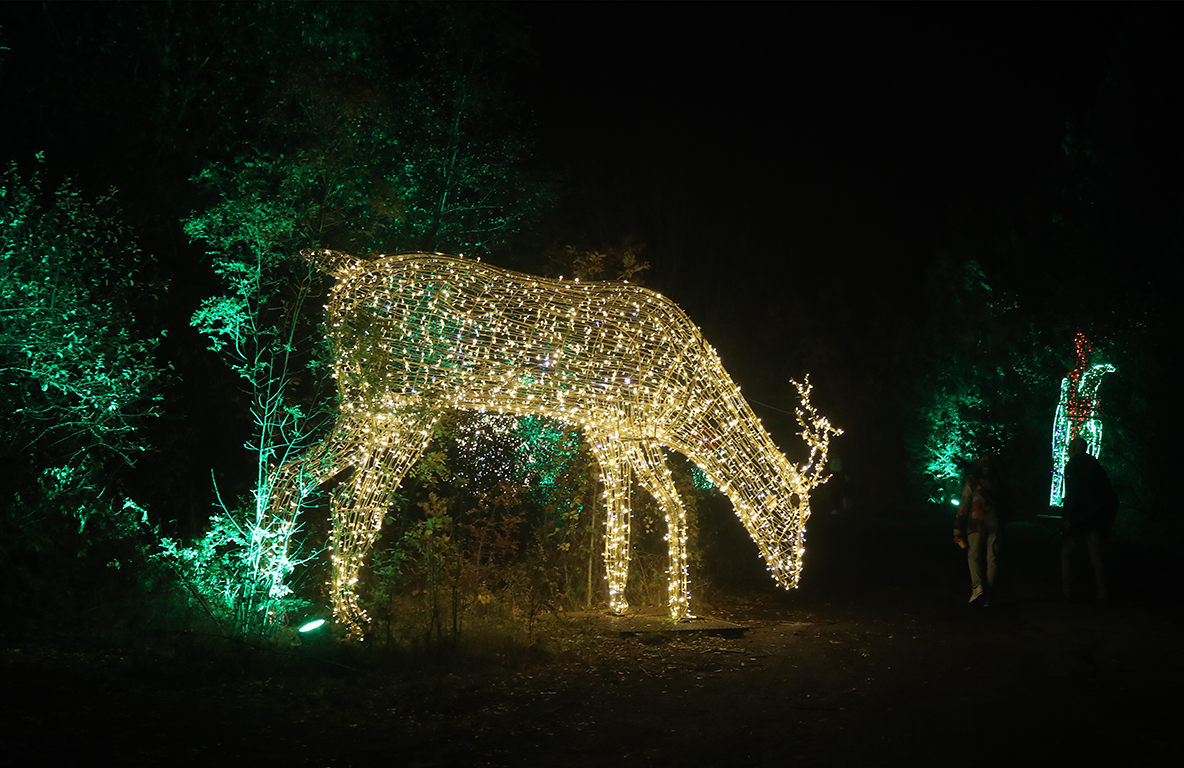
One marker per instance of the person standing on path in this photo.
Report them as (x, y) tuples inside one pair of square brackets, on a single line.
[(978, 525), (1087, 515)]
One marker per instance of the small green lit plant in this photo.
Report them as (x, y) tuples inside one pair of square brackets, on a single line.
[(237, 572), (78, 378), (258, 328)]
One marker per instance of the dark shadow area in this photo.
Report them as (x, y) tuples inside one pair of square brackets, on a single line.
[(876, 654)]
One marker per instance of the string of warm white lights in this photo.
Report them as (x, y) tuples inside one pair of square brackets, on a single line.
[(416, 334), (1077, 414)]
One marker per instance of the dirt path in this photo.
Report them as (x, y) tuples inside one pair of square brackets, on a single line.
[(876, 658)]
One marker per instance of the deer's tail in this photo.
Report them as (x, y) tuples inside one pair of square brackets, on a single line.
[(332, 262)]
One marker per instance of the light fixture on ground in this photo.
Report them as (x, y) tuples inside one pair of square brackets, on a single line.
[(311, 625)]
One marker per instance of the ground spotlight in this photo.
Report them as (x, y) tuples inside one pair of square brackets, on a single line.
[(310, 626)]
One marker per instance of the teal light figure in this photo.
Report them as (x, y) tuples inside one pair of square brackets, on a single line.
[(1076, 415)]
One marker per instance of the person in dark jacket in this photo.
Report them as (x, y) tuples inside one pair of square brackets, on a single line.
[(1086, 515), (978, 525)]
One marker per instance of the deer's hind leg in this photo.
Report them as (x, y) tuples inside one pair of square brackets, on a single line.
[(283, 501), (394, 442), (653, 475), (614, 475)]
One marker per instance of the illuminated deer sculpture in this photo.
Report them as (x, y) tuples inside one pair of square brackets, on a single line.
[(416, 334)]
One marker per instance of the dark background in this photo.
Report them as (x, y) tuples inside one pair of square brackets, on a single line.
[(796, 172), (793, 172), (811, 183)]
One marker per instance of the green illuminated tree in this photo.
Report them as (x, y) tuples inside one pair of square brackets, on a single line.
[(981, 386), (366, 138), (357, 146), (256, 327), (79, 380)]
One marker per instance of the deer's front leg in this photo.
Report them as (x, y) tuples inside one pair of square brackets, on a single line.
[(653, 475), (615, 476)]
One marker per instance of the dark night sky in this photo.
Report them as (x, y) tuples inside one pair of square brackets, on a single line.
[(809, 155), (804, 134), (793, 168), (776, 141)]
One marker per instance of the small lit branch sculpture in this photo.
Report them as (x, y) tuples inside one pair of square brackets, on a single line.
[(1077, 414), (416, 334)]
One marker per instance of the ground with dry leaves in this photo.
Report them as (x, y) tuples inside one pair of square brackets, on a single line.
[(877, 657)]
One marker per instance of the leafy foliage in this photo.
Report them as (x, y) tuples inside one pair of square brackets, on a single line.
[(80, 380), (620, 262), (499, 524), (352, 152), (256, 327), (982, 381), (222, 571), (375, 148), (500, 504)]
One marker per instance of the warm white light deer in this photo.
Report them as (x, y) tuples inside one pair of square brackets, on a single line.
[(416, 334)]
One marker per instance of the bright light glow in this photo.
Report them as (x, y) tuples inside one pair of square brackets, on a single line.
[(314, 624), (414, 335), (1077, 415)]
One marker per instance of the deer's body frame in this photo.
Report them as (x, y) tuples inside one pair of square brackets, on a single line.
[(414, 335)]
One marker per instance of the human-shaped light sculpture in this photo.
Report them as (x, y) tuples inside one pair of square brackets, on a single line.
[(416, 334), (1077, 414)]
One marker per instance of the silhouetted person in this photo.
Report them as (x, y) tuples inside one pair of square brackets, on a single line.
[(978, 525), (1088, 513)]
